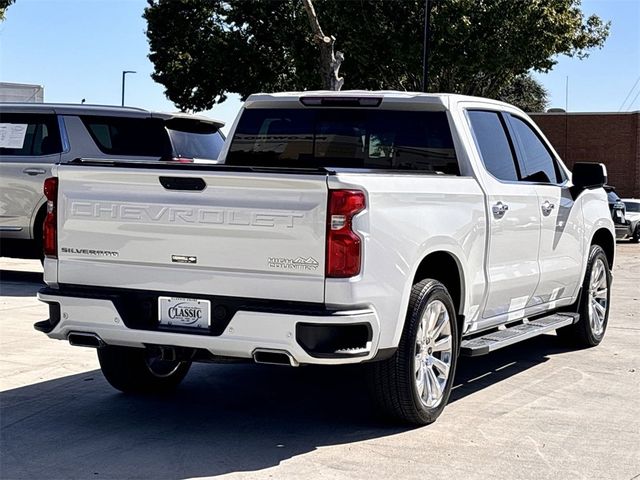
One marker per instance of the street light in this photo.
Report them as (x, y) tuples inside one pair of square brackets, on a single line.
[(425, 44), (124, 73)]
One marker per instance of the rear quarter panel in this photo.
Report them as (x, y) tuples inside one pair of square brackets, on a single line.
[(409, 216)]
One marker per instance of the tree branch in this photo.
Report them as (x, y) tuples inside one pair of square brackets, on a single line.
[(319, 36), (330, 61)]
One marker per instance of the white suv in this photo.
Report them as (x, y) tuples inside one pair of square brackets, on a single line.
[(34, 137), (632, 215)]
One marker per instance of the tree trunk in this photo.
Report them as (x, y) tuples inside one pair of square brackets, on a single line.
[(329, 60)]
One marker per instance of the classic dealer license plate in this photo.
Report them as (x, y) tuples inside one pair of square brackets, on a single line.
[(184, 312)]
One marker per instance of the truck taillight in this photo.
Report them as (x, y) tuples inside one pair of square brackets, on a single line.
[(50, 227), (344, 249)]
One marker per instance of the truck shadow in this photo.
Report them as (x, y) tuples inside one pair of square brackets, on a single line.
[(16, 283), (224, 418)]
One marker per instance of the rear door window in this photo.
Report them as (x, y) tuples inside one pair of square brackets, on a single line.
[(144, 137), (494, 145), (29, 135), (344, 138)]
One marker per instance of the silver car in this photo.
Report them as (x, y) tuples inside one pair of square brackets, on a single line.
[(633, 217), (33, 137)]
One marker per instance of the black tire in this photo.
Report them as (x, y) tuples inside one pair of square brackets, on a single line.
[(132, 370), (587, 333), (394, 382), (636, 234)]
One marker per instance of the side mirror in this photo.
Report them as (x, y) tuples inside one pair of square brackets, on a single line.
[(588, 175)]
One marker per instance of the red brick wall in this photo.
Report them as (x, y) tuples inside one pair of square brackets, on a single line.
[(610, 138)]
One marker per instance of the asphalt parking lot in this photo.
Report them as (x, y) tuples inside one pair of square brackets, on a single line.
[(534, 410)]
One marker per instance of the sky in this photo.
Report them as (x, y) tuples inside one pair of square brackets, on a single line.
[(78, 49)]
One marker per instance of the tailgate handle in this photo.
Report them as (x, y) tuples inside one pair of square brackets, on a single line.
[(183, 183)]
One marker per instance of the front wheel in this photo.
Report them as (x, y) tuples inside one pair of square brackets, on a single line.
[(593, 305), (415, 383), (636, 234), (138, 370)]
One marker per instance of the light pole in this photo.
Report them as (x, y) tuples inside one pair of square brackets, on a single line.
[(425, 45), (124, 73)]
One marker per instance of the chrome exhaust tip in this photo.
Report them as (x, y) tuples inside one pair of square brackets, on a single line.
[(85, 339), (274, 357)]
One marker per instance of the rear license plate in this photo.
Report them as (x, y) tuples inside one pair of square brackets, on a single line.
[(184, 312)]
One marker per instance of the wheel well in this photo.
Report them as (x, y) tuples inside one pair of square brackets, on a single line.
[(36, 229), (442, 266), (604, 238)]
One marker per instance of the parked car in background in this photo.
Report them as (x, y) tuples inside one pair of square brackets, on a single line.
[(618, 213), (33, 137), (632, 215)]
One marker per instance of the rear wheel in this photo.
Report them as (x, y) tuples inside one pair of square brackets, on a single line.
[(593, 305), (138, 370), (414, 385)]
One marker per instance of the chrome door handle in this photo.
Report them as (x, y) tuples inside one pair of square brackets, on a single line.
[(547, 207), (34, 171), (499, 209)]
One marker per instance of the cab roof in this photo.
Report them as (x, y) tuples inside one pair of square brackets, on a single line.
[(442, 100)]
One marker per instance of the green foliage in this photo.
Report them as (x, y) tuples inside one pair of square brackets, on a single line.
[(204, 49), (526, 93), (4, 4)]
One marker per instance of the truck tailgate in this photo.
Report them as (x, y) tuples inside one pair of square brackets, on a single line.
[(201, 231)]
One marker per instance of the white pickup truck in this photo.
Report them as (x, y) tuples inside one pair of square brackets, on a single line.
[(392, 229)]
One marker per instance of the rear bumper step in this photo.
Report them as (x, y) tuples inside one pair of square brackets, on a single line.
[(489, 342), (273, 335)]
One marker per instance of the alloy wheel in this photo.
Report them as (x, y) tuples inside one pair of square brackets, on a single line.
[(433, 354), (598, 297)]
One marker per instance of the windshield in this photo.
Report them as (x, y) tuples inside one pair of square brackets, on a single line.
[(632, 206), (613, 197), (192, 139), (348, 138)]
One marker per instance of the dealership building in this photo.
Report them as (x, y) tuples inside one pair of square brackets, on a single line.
[(21, 92), (609, 138)]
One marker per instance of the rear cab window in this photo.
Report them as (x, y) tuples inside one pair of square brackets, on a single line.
[(351, 138), (29, 135)]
